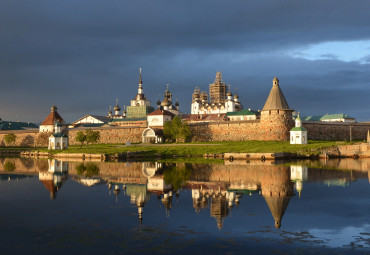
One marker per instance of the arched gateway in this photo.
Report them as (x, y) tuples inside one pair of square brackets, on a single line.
[(152, 135)]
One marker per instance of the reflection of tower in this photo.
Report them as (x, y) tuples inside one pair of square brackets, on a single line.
[(277, 207), (54, 177), (200, 199), (167, 202), (138, 196), (277, 190), (116, 191), (219, 209)]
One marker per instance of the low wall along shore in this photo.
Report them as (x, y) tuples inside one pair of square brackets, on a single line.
[(216, 131)]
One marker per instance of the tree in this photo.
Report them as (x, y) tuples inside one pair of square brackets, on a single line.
[(177, 176), (10, 139), (42, 140), (9, 166), (88, 170), (80, 138), (92, 136), (176, 130)]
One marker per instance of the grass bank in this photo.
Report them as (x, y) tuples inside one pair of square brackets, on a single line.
[(199, 149)]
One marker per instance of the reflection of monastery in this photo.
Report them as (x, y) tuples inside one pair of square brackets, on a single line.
[(216, 187)]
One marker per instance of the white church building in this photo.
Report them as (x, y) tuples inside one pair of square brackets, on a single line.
[(298, 134)]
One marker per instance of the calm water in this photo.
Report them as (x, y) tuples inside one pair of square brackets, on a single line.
[(59, 207)]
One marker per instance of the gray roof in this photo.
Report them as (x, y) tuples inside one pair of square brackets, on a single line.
[(276, 99), (15, 125), (104, 119)]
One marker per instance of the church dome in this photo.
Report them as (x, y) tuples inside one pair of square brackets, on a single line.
[(236, 95), (165, 102), (158, 102), (177, 103), (117, 108), (229, 94)]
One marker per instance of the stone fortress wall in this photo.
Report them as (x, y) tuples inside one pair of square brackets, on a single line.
[(263, 130)]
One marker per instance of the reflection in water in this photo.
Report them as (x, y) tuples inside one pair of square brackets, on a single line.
[(54, 176), (219, 188)]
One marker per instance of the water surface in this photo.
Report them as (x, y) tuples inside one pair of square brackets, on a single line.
[(58, 207)]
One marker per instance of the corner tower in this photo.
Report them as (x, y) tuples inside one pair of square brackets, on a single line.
[(276, 116)]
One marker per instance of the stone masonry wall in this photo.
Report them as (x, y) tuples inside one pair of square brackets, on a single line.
[(264, 130), (336, 131), (24, 138), (226, 131), (111, 135), (276, 125)]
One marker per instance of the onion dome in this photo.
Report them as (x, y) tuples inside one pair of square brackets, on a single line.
[(158, 102), (229, 94), (177, 103), (236, 95), (117, 108), (166, 102), (110, 110)]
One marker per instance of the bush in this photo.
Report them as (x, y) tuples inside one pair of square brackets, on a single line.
[(89, 137), (42, 140), (88, 170), (92, 136), (80, 138), (9, 166), (10, 139), (176, 130)]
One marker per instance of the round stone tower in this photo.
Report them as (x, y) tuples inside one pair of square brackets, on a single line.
[(276, 116)]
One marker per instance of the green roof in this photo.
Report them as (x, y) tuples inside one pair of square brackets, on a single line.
[(336, 116), (298, 129), (328, 117), (242, 112)]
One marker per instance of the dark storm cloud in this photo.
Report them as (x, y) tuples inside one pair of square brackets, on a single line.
[(83, 55)]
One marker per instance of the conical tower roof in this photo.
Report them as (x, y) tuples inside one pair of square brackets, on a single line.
[(276, 99), (53, 117), (277, 207)]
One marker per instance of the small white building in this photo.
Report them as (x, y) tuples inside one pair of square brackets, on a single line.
[(298, 134), (58, 140), (159, 117)]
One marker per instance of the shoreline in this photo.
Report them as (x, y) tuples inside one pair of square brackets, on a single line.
[(245, 150)]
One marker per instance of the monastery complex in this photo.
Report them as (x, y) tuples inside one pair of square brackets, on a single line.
[(215, 116)]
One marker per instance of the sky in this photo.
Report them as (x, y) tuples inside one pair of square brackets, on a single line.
[(83, 55)]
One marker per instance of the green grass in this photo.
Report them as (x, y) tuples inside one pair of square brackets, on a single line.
[(199, 149)]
